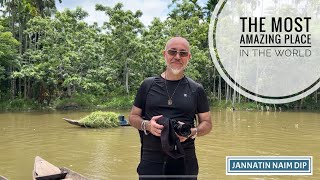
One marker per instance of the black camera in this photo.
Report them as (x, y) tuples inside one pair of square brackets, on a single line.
[(181, 129)]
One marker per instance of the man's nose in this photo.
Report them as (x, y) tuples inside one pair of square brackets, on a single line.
[(178, 55)]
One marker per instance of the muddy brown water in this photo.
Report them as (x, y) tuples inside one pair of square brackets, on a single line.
[(114, 153)]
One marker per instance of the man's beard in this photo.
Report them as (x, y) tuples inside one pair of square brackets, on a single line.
[(176, 71)]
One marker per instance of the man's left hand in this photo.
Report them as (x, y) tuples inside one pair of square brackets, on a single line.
[(181, 138)]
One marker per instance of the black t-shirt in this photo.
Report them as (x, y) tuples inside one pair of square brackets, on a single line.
[(186, 102)]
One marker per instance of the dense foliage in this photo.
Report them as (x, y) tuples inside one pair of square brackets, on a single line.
[(51, 58), (100, 119)]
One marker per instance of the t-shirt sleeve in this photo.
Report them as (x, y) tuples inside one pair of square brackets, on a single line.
[(139, 99), (202, 101)]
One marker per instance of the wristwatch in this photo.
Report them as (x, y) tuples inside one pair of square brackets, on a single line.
[(195, 135)]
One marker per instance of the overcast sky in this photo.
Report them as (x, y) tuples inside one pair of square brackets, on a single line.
[(149, 8)]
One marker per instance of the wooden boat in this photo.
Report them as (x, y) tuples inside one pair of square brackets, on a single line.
[(43, 170), (74, 122), (3, 178), (122, 122)]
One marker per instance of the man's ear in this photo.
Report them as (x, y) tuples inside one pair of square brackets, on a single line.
[(164, 53), (190, 56)]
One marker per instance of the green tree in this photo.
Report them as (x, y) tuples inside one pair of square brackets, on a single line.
[(8, 56), (122, 44), (66, 54), (154, 39), (187, 19), (210, 5), (18, 13)]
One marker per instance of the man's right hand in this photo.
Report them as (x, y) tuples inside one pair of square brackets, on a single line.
[(153, 127)]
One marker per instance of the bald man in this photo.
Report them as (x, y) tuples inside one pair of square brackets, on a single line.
[(174, 96)]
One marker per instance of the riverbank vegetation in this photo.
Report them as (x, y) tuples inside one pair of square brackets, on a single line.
[(55, 59)]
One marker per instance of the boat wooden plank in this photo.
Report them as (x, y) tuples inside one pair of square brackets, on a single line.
[(72, 175), (3, 178), (77, 123), (65, 173), (74, 122), (44, 168)]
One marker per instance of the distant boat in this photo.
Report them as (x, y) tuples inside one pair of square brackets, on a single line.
[(122, 122), (3, 178), (43, 170)]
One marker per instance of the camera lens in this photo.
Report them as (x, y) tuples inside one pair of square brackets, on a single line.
[(182, 129)]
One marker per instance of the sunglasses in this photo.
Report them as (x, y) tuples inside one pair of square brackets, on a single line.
[(172, 52)]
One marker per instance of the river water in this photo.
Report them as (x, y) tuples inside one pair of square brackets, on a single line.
[(114, 153)]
